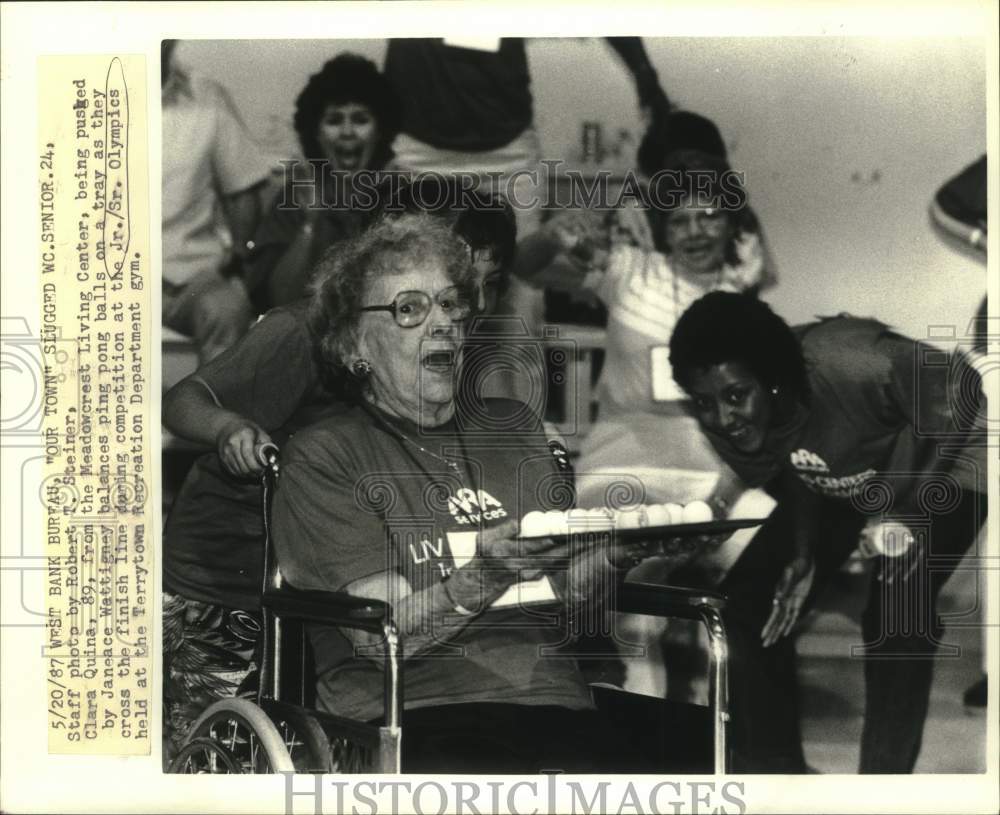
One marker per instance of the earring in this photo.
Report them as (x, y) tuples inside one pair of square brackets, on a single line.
[(774, 391), (361, 368)]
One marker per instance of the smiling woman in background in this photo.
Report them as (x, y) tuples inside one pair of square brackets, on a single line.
[(346, 118)]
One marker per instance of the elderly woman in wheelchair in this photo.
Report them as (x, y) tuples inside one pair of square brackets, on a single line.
[(396, 523)]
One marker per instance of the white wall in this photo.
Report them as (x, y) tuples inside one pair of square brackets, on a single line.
[(843, 142)]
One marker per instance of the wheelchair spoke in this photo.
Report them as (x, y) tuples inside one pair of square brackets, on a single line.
[(203, 756)]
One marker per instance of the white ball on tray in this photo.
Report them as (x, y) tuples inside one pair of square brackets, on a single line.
[(534, 524), (676, 513), (600, 519), (631, 518), (697, 512), (556, 523), (658, 515)]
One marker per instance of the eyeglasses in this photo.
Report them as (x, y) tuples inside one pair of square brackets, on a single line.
[(410, 308)]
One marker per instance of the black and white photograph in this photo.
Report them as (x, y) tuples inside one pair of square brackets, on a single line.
[(701, 274), (528, 408)]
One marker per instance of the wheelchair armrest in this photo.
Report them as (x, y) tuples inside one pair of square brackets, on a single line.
[(668, 601), (333, 607)]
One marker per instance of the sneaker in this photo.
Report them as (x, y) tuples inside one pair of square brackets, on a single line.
[(975, 695)]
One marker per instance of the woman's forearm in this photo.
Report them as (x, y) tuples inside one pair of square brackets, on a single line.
[(534, 253), (290, 276), (191, 412), (805, 513), (431, 617)]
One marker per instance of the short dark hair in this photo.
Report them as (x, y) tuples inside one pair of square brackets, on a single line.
[(483, 220), (488, 224), (346, 270), (726, 327), (347, 78), (678, 130)]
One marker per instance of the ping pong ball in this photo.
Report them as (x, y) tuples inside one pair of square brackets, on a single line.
[(534, 524), (630, 519), (676, 513), (556, 523), (658, 515), (601, 518), (697, 512)]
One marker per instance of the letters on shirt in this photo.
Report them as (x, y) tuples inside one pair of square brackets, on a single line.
[(806, 462)]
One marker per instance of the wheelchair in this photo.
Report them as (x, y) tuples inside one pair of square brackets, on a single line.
[(279, 731)]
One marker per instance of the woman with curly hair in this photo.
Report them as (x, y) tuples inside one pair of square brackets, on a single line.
[(869, 441), (346, 118)]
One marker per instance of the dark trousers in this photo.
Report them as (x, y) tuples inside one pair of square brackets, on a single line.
[(494, 738), (900, 635)]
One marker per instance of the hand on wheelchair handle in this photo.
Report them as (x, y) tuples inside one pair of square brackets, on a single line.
[(240, 445)]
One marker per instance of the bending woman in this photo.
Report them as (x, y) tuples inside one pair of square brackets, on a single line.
[(861, 437), (411, 495)]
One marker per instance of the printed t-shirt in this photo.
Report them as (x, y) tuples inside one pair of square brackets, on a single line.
[(879, 405), (457, 98), (354, 500), (213, 540)]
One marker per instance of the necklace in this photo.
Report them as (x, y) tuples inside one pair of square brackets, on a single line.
[(399, 434), (453, 465)]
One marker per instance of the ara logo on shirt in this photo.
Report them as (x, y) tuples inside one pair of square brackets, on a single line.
[(474, 506), (808, 461)]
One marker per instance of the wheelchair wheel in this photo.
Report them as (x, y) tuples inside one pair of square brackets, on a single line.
[(306, 742), (233, 736), (203, 756)]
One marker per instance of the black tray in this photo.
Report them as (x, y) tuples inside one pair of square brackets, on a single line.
[(659, 533)]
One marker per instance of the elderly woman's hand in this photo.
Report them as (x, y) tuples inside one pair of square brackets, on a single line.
[(502, 559), (501, 550), (239, 443)]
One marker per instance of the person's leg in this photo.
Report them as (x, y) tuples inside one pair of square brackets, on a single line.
[(764, 698), (764, 721), (472, 739), (901, 633), (498, 738), (209, 653), (214, 310)]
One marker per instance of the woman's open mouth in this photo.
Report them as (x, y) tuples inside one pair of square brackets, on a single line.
[(349, 157), (697, 251), (440, 362)]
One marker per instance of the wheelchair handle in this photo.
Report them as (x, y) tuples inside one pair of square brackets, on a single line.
[(267, 454)]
